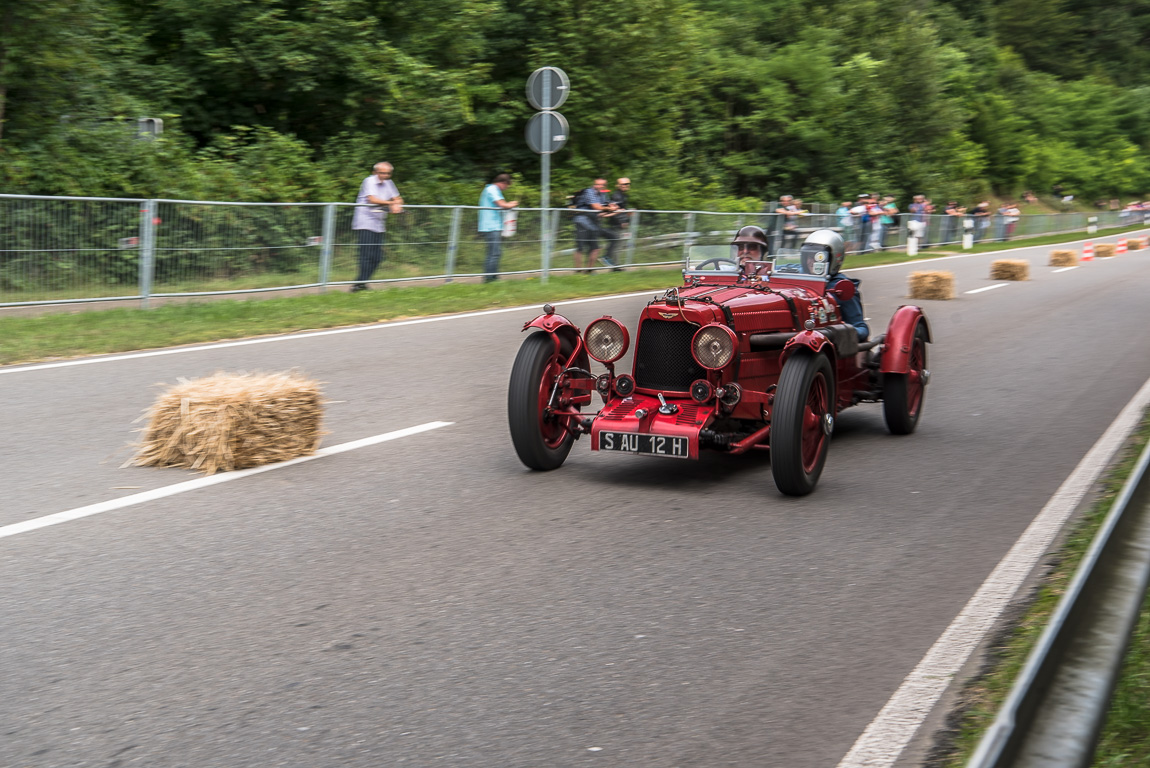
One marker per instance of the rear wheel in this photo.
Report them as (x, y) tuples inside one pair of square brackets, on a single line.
[(541, 440), (801, 423), (903, 393)]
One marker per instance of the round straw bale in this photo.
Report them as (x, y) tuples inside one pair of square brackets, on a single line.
[(932, 285), (1105, 250), (1010, 269), (230, 421)]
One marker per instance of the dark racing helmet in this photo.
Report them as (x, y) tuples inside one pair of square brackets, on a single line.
[(822, 253), (750, 243)]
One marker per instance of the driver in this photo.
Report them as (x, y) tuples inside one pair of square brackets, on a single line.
[(822, 254), (750, 244)]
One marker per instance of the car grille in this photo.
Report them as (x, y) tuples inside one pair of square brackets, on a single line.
[(663, 358)]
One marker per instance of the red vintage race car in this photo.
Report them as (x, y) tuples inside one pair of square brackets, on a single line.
[(753, 351)]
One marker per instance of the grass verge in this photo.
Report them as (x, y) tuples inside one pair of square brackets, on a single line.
[(54, 336), (1126, 736)]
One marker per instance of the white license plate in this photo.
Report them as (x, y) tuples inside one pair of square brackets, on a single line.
[(648, 445)]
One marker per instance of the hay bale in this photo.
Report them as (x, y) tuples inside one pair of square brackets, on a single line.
[(1010, 269), (1105, 250), (230, 421), (1136, 244), (1064, 258), (932, 285)]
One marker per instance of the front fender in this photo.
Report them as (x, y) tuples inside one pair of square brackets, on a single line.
[(810, 340), (899, 337), (566, 337)]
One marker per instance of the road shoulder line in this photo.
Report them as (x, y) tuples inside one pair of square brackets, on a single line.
[(884, 739)]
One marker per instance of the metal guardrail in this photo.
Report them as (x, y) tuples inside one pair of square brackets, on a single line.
[(64, 250), (1054, 714)]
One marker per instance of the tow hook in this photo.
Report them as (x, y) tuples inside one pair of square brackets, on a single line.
[(665, 408)]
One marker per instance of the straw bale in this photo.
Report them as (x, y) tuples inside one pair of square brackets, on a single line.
[(230, 421), (932, 285), (1105, 250), (1010, 269), (1064, 258), (1135, 243)]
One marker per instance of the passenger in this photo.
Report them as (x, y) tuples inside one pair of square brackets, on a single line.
[(822, 254)]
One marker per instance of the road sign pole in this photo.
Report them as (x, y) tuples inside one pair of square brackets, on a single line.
[(545, 213)]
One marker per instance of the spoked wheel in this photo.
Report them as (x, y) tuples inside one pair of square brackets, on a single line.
[(801, 423), (541, 440), (903, 393)]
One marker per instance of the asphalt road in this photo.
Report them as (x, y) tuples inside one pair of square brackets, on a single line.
[(428, 601)]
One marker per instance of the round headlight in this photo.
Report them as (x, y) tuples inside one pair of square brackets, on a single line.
[(606, 339), (713, 346)]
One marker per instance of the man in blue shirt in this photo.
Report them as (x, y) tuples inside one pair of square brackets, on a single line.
[(491, 207)]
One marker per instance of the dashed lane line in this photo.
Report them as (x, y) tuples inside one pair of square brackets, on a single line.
[(204, 482), (989, 288), (1066, 269), (884, 739)]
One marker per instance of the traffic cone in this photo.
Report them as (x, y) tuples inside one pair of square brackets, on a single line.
[(1121, 247), (1088, 252)]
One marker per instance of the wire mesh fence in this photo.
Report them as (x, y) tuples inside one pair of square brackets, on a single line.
[(71, 249)]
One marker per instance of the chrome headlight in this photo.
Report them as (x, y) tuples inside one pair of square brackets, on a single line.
[(607, 339), (713, 346)]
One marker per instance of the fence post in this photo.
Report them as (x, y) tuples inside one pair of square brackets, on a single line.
[(327, 237), (147, 250), (690, 237), (634, 237), (452, 244)]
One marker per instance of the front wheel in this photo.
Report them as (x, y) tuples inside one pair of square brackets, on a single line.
[(904, 393), (801, 423), (540, 438)]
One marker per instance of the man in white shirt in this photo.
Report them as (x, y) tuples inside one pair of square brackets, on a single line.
[(377, 194)]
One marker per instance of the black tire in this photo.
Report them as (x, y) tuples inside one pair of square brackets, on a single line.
[(801, 422), (903, 394), (541, 443)]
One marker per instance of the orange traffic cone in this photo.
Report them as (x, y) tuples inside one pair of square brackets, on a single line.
[(1121, 247), (1088, 252)]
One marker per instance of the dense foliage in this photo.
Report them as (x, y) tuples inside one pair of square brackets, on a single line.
[(721, 103)]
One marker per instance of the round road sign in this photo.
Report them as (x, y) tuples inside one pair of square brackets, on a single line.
[(546, 132), (547, 88)]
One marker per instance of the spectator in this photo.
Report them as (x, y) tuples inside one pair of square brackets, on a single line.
[(889, 219), (491, 206), (617, 222), (377, 195), (1029, 197), (1011, 215), (859, 212), (875, 214), (954, 213), (919, 224), (590, 203), (981, 214), (846, 223), (789, 211)]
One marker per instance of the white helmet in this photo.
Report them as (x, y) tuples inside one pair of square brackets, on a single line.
[(828, 241)]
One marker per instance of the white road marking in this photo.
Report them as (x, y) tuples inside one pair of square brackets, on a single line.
[(989, 288), (204, 482), (884, 739), (1067, 269), (308, 334)]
